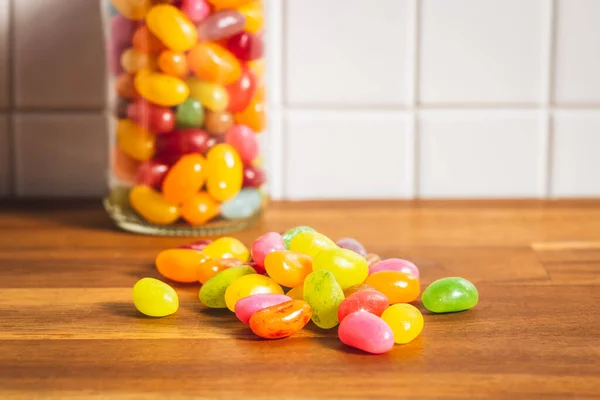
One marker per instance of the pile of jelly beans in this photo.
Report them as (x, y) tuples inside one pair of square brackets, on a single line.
[(188, 76), (330, 283)]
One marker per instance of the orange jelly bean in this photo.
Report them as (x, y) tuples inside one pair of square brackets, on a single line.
[(399, 287), (281, 320), (200, 208), (152, 206), (145, 41), (220, 4), (255, 19), (184, 179), (254, 115), (214, 63), (288, 268), (213, 266), (173, 63), (172, 27), (135, 141), (180, 265), (225, 172), (124, 167), (133, 61), (124, 86)]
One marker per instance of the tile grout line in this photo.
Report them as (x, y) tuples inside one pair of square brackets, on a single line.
[(282, 123), (416, 65), (549, 72)]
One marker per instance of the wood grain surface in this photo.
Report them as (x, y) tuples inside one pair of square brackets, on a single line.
[(68, 328)]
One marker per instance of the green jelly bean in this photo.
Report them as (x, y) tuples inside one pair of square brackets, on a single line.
[(324, 295), (212, 293), (450, 295), (289, 235), (348, 267), (190, 114)]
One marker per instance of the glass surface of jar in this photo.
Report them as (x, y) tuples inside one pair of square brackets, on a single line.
[(186, 100)]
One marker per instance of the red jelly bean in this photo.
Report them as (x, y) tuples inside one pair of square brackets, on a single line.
[(246, 46), (243, 139), (254, 177), (370, 301), (154, 118), (151, 173), (171, 146), (366, 332), (241, 91)]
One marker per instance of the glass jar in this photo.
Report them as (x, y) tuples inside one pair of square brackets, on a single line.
[(187, 105)]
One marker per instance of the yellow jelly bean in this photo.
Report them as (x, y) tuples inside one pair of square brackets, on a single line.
[(133, 60), (152, 206), (225, 172), (254, 115), (132, 9), (248, 285), (258, 67), (135, 141), (155, 298), (212, 95), (255, 19), (311, 243), (220, 4), (227, 247), (161, 89), (297, 293), (405, 320), (172, 27)]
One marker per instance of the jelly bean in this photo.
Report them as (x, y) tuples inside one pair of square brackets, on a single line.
[(227, 3), (212, 292), (405, 320), (179, 265), (218, 122), (258, 68), (245, 204), (213, 96), (120, 108), (144, 41), (287, 267), (121, 31), (372, 258), (247, 286), (132, 9), (450, 295), (296, 293), (254, 115), (348, 267), (311, 243), (152, 117), (155, 298), (172, 27), (254, 177), (224, 172), (292, 233), (214, 63), (195, 10), (253, 13), (245, 46), (211, 267), (227, 247), (152, 206), (370, 301), (241, 91), (357, 288), (184, 179), (247, 306), (198, 245), (395, 264), (352, 244), (161, 89), (133, 61), (171, 146), (324, 295), (244, 141), (174, 64), (259, 270), (265, 244), (190, 114), (281, 320), (399, 287), (221, 24), (151, 173), (124, 86), (134, 140), (366, 332), (124, 167), (199, 209)]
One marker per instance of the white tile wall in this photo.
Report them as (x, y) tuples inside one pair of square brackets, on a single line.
[(394, 98)]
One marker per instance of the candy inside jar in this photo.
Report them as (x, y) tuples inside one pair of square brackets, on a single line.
[(187, 102)]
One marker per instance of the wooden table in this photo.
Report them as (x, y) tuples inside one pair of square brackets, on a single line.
[(68, 327)]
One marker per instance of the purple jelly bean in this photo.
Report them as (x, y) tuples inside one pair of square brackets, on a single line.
[(395, 264), (353, 245)]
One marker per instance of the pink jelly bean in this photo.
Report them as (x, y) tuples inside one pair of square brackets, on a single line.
[(270, 241), (395, 264), (366, 332), (195, 10), (243, 139), (198, 245), (352, 245), (244, 308), (121, 31), (370, 301)]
